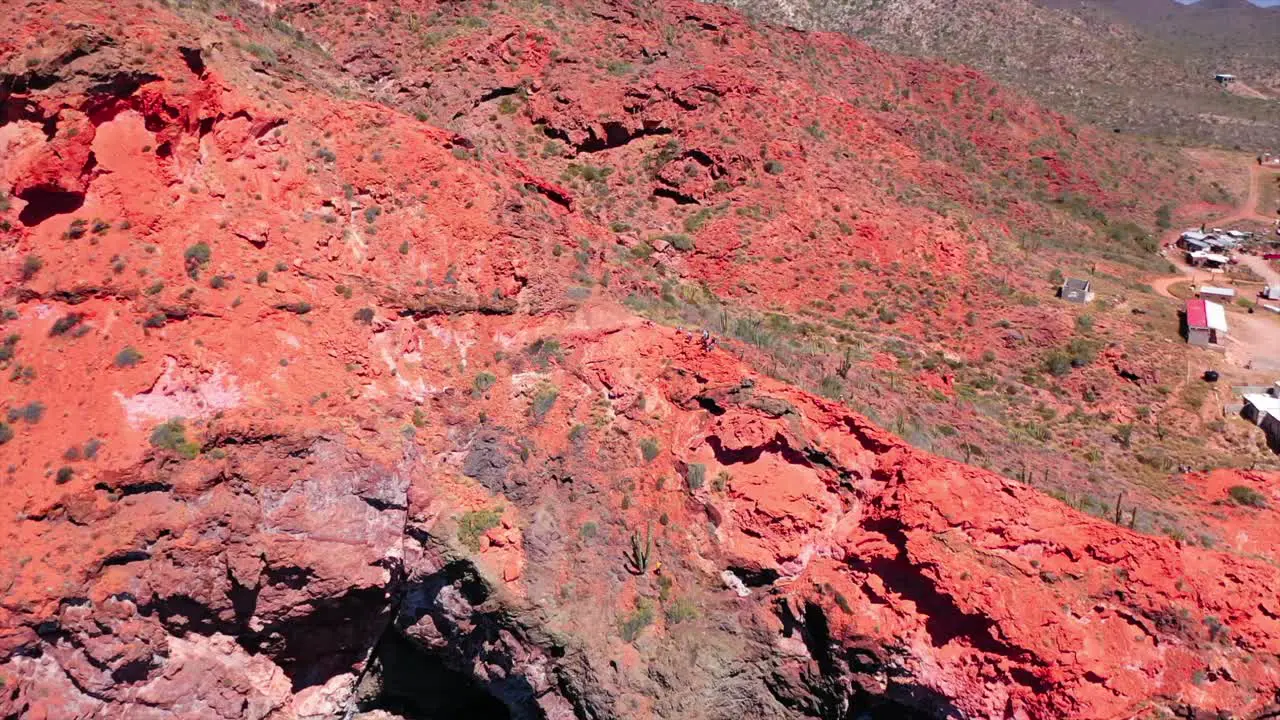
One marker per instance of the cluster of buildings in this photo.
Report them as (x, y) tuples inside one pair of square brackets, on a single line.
[(1212, 249)]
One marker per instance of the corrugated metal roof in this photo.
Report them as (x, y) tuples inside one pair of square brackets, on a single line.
[(1197, 316), (1225, 292), (1217, 316), (1266, 403)]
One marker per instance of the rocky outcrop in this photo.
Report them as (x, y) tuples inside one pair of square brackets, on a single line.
[(318, 409)]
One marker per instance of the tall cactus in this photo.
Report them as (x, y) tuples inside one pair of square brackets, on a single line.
[(638, 558)]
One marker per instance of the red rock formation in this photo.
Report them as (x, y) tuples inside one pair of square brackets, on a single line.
[(319, 407)]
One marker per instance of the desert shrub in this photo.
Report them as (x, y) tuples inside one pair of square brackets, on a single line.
[(543, 350), (297, 308), (64, 324), (64, 475), (31, 412), (680, 610), (172, 436), (9, 347), (484, 381), (263, 277), (638, 620), (364, 316), (31, 265), (475, 523), (195, 258), (773, 167), (1245, 495), (544, 398), (1057, 363), (156, 320), (649, 449), (679, 241), (694, 222), (6, 433), (128, 357)]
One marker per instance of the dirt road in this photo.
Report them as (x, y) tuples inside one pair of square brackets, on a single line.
[(1262, 268), (1254, 340)]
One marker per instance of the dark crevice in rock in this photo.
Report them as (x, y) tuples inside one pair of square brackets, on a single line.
[(755, 576), (122, 84), (194, 59), (550, 193), (46, 202), (126, 557), (851, 679), (947, 622), (778, 446), (332, 637), (710, 405), (417, 685), (675, 195), (381, 504), (494, 94), (616, 135)]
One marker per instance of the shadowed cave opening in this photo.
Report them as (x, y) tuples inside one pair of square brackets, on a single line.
[(415, 684)]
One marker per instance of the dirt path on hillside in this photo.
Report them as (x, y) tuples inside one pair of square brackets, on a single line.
[(1262, 268)]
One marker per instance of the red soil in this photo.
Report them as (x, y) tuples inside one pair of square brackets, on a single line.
[(364, 356)]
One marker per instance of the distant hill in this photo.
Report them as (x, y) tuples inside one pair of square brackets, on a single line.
[(1142, 66)]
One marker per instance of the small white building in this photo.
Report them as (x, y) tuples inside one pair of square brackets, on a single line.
[(1271, 292), (1208, 292)]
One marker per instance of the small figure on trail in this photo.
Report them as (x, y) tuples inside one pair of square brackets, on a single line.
[(708, 342)]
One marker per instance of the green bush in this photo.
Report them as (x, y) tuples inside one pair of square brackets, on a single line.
[(484, 381), (473, 524), (195, 258), (544, 398), (680, 610), (6, 433), (773, 167), (128, 357), (64, 324), (1245, 495), (31, 265), (1057, 363), (31, 412), (649, 449), (64, 475), (172, 436), (638, 620), (679, 241), (364, 316)]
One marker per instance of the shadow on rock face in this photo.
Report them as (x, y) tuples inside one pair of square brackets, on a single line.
[(417, 685)]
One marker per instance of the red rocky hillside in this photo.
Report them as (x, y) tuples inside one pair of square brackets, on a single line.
[(354, 368)]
